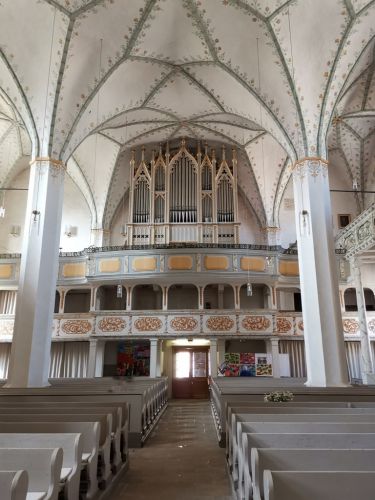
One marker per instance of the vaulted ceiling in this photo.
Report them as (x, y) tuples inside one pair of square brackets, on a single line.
[(89, 79)]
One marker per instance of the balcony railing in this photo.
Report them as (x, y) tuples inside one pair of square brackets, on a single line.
[(262, 323), (359, 235)]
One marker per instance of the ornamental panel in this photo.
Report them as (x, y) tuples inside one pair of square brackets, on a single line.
[(6, 327), (371, 326), (288, 268), (256, 323), (219, 324), (110, 325), (350, 326), (284, 325), (299, 326), (75, 327), (183, 324), (148, 324)]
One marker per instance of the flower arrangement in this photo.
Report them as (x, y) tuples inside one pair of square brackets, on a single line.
[(279, 396)]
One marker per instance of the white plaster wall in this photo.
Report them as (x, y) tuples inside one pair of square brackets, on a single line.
[(342, 203), (75, 213), (287, 233), (250, 232), (120, 218), (15, 208)]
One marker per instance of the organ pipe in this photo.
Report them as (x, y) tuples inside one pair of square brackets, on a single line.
[(179, 187)]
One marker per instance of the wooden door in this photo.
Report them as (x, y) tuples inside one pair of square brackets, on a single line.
[(190, 372)]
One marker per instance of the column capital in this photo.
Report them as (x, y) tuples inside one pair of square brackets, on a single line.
[(310, 159), (46, 159), (312, 165)]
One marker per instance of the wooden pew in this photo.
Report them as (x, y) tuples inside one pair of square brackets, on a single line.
[(105, 425), (13, 484), (136, 434), (43, 467), (120, 415), (304, 460), (328, 485), (297, 428), (293, 415), (71, 445), (90, 434), (356, 441), (113, 436)]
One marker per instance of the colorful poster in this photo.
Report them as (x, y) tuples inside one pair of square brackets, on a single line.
[(264, 370), (232, 357), (232, 370), (133, 359), (247, 358), (248, 370)]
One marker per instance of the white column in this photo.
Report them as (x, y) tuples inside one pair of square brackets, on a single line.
[(159, 359), (221, 351), (367, 372), (96, 358), (213, 357), (99, 363), (324, 340), (153, 357), (273, 349), (29, 362)]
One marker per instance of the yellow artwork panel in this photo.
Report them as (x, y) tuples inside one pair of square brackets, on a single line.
[(74, 270), (180, 263), (289, 268), (253, 264), (6, 271), (110, 266), (141, 264), (216, 263)]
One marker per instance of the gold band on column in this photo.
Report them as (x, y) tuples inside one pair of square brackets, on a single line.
[(309, 158), (46, 159)]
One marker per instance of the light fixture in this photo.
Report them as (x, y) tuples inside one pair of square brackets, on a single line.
[(249, 289), (119, 291), (70, 231), (15, 230), (355, 184)]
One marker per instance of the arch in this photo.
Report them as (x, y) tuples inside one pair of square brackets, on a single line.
[(183, 296), (289, 299), (369, 299), (147, 297), (57, 302), (259, 298), (108, 299), (350, 300), (218, 296), (77, 300)]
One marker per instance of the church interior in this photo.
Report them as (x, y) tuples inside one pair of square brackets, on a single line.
[(187, 249)]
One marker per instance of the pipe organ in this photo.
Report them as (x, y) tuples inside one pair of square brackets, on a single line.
[(181, 196)]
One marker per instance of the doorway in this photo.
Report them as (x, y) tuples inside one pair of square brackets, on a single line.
[(190, 373)]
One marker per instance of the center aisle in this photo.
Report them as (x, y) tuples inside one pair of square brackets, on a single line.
[(180, 461)]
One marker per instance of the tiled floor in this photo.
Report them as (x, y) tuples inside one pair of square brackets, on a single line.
[(180, 461)]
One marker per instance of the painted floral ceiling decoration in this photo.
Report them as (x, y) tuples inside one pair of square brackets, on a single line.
[(89, 79)]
